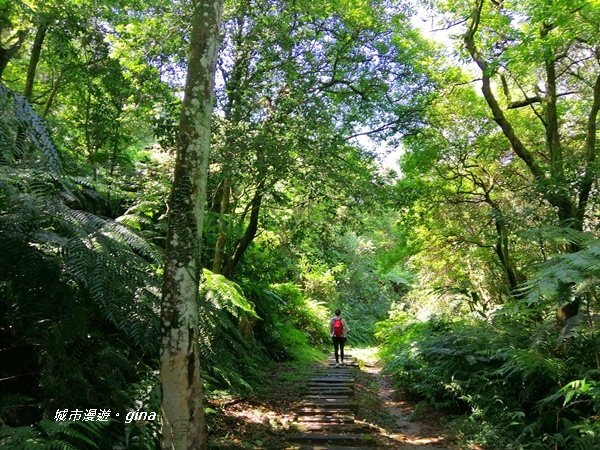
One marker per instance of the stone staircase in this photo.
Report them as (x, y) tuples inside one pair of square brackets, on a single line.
[(325, 415)]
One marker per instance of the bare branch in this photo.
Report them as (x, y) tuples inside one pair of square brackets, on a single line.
[(463, 83), (525, 102)]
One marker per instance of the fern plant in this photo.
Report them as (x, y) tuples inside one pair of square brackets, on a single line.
[(22, 132), (231, 355), (579, 270), (77, 435), (78, 295)]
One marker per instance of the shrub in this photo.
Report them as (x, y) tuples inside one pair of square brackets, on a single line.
[(509, 381)]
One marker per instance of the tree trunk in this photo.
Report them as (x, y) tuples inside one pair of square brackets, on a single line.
[(183, 425), (36, 51), (232, 113), (223, 226), (590, 143), (249, 234), (53, 93), (6, 54), (568, 214), (503, 252)]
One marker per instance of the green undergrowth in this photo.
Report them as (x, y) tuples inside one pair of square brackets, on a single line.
[(510, 383), (289, 377), (245, 331)]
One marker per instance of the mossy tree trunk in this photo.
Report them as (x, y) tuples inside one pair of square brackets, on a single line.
[(183, 425)]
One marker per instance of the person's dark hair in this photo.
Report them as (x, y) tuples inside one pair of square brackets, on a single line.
[(338, 312)]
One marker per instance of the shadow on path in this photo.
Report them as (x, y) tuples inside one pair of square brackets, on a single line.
[(395, 420), (344, 408)]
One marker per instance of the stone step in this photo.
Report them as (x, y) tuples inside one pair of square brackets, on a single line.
[(344, 429), (333, 375), (321, 411), (331, 380), (328, 398), (311, 393), (353, 408), (330, 387), (334, 439), (325, 416), (324, 419), (336, 410), (326, 447), (318, 384), (349, 386), (323, 402)]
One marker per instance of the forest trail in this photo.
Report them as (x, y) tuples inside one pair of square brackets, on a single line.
[(323, 407), (325, 416), (334, 411)]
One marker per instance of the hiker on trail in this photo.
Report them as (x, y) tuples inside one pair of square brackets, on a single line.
[(339, 332)]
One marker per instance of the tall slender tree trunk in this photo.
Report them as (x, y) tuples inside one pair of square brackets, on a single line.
[(223, 226), (249, 234), (591, 149), (36, 52), (232, 113), (503, 252), (183, 425), (53, 93)]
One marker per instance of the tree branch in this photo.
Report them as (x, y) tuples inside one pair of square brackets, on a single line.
[(499, 117), (525, 102)]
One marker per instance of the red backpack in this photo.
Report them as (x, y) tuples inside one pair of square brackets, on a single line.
[(338, 328)]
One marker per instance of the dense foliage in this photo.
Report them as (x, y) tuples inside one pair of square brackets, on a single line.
[(473, 264), (499, 199), (89, 100)]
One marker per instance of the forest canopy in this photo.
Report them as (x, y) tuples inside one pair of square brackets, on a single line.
[(473, 262)]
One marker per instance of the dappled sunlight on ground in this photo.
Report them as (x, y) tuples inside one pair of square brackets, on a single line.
[(393, 417), (262, 416), (264, 421), (244, 425)]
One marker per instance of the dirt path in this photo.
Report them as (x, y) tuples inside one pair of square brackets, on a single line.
[(404, 424), (267, 421), (397, 423)]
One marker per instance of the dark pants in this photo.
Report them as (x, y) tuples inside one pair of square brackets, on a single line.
[(338, 345)]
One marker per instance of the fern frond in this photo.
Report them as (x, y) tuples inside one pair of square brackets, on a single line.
[(579, 270), (134, 221), (557, 235), (570, 328), (25, 124), (224, 293), (91, 226), (79, 293)]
